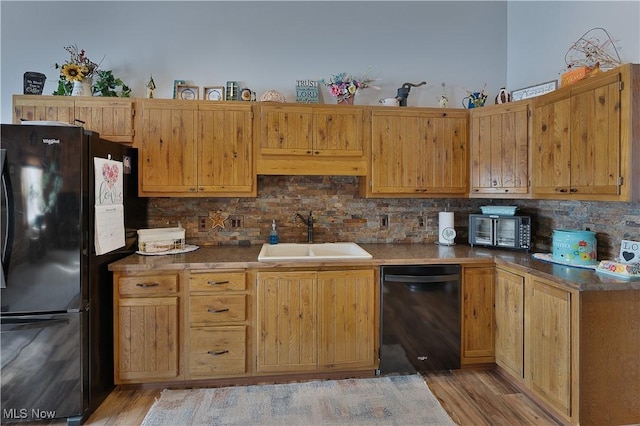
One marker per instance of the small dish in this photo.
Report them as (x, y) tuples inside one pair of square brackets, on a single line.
[(499, 210)]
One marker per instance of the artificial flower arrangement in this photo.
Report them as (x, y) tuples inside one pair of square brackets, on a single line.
[(79, 68), (344, 86)]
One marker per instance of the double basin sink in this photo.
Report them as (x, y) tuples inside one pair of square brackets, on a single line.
[(320, 251)]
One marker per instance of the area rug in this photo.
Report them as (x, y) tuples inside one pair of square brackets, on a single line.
[(391, 400)]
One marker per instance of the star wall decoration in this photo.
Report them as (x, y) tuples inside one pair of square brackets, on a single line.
[(218, 219)]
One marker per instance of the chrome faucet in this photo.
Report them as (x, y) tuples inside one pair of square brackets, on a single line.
[(309, 223)]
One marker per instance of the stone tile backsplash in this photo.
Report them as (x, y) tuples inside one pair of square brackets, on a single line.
[(341, 214)]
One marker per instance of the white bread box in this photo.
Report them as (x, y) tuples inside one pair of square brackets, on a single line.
[(157, 240)]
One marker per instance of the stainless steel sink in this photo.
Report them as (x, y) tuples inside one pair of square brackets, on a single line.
[(320, 251)]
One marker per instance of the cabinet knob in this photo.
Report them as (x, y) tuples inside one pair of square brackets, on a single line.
[(218, 282), (217, 311), (192, 189), (573, 190)]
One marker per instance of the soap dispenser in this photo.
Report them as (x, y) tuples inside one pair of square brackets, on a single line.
[(273, 235)]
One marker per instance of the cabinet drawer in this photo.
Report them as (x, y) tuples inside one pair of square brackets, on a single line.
[(146, 285), (216, 309), (218, 351), (218, 281)]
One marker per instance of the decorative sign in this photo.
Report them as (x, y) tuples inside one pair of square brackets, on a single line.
[(232, 91), (630, 251), (307, 91), (34, 83), (533, 91)]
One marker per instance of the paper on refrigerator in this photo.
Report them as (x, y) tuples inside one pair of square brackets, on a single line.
[(109, 205)]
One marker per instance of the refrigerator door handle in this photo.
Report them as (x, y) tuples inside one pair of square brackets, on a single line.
[(7, 242), (30, 324)]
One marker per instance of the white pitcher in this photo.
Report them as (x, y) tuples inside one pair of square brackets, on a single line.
[(389, 101)]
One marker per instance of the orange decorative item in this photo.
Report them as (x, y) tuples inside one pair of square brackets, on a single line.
[(575, 75)]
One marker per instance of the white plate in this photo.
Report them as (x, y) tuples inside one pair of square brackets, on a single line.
[(187, 248), (547, 257)]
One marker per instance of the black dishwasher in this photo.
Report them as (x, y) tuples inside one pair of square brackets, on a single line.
[(419, 318)]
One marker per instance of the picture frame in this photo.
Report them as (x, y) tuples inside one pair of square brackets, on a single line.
[(176, 83), (533, 91), (213, 93), (187, 92)]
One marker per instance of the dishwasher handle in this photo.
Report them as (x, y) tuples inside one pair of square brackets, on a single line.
[(421, 278)]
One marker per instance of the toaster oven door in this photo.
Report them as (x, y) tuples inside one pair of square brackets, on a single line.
[(482, 230), (505, 232)]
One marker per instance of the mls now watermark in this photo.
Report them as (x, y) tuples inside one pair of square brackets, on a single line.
[(24, 413)]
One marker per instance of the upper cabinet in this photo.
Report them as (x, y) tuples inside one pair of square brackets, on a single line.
[(195, 149), (418, 152), (298, 139), (499, 150), (111, 118), (586, 139)]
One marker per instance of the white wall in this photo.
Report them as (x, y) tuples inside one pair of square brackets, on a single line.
[(265, 45), (268, 45), (541, 32)]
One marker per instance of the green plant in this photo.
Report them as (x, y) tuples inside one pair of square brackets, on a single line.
[(107, 85)]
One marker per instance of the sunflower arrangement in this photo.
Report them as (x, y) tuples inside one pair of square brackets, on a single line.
[(77, 68)]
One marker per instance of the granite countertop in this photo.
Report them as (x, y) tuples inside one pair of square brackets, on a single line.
[(246, 257)]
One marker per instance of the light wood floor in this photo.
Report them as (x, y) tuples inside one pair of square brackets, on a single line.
[(471, 397)]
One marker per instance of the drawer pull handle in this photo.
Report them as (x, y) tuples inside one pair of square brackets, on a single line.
[(218, 282), (217, 311), (216, 353), (147, 285)]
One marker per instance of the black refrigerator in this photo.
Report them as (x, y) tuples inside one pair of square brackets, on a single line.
[(56, 294)]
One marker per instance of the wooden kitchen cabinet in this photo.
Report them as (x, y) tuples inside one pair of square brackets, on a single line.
[(218, 320), (509, 314), (195, 149), (499, 150), (316, 321), (549, 343), (586, 139), (111, 117), (576, 351), (418, 152), (286, 311), (311, 140), (477, 315), (347, 315), (146, 327)]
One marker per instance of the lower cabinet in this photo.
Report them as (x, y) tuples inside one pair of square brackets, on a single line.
[(316, 320), (549, 344), (477, 320), (146, 309), (216, 330), (575, 351), (509, 312)]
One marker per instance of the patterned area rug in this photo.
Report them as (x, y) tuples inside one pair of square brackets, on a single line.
[(390, 400)]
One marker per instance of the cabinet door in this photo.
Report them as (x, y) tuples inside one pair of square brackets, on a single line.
[(552, 149), (286, 130), (549, 344), (167, 142), (595, 137), (419, 153), (112, 118), (347, 320), (43, 108), (477, 315), (338, 132), (225, 146), (147, 339), (509, 312), (286, 322), (499, 149)]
